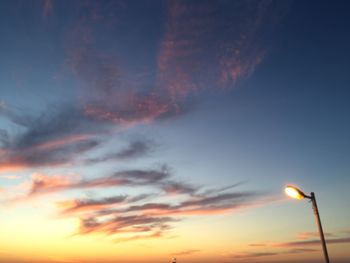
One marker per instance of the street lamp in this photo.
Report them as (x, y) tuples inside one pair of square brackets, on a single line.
[(296, 193)]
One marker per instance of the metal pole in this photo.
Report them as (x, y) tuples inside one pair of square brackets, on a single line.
[(320, 230)]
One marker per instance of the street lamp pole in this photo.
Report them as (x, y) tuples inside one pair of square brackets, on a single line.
[(296, 193), (319, 225)]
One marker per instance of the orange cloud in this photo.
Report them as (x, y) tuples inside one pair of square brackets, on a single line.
[(57, 143)]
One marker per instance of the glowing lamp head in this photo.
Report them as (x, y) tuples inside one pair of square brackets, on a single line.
[(294, 192)]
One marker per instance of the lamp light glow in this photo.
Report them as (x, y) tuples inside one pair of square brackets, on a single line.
[(294, 192)]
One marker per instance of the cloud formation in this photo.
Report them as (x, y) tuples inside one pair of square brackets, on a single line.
[(251, 255), (313, 242), (293, 247), (115, 94), (135, 149), (61, 136), (193, 57), (134, 218), (45, 184), (186, 252)]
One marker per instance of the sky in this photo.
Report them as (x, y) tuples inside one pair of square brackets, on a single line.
[(141, 131)]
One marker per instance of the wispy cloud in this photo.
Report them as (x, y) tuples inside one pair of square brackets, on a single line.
[(173, 188), (61, 137), (46, 184), (308, 235), (251, 255), (186, 252), (292, 247), (313, 242), (120, 215), (135, 149), (193, 56), (86, 205), (122, 224)]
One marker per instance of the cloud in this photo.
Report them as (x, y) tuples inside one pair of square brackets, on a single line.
[(210, 205), (154, 234), (308, 235), (77, 205), (86, 205), (186, 252), (193, 56), (54, 138), (4, 137), (59, 137), (135, 149), (123, 224), (294, 247), (314, 242), (118, 215), (254, 255), (46, 184), (257, 245), (45, 155), (173, 188), (250, 255)]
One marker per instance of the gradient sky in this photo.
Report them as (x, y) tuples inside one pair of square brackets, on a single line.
[(138, 131)]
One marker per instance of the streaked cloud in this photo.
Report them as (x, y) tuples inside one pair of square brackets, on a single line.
[(252, 255), (139, 218), (188, 57), (186, 252), (86, 205), (46, 184), (193, 57), (135, 149), (308, 235), (313, 242)]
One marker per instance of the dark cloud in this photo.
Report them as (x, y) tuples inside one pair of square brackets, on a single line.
[(117, 215), (78, 205), (193, 206), (56, 123), (223, 189), (4, 138), (122, 224), (58, 136), (47, 184), (58, 154), (173, 188), (223, 199), (54, 138), (135, 215), (133, 150), (86, 205)]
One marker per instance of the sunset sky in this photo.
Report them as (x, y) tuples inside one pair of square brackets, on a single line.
[(138, 131)]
